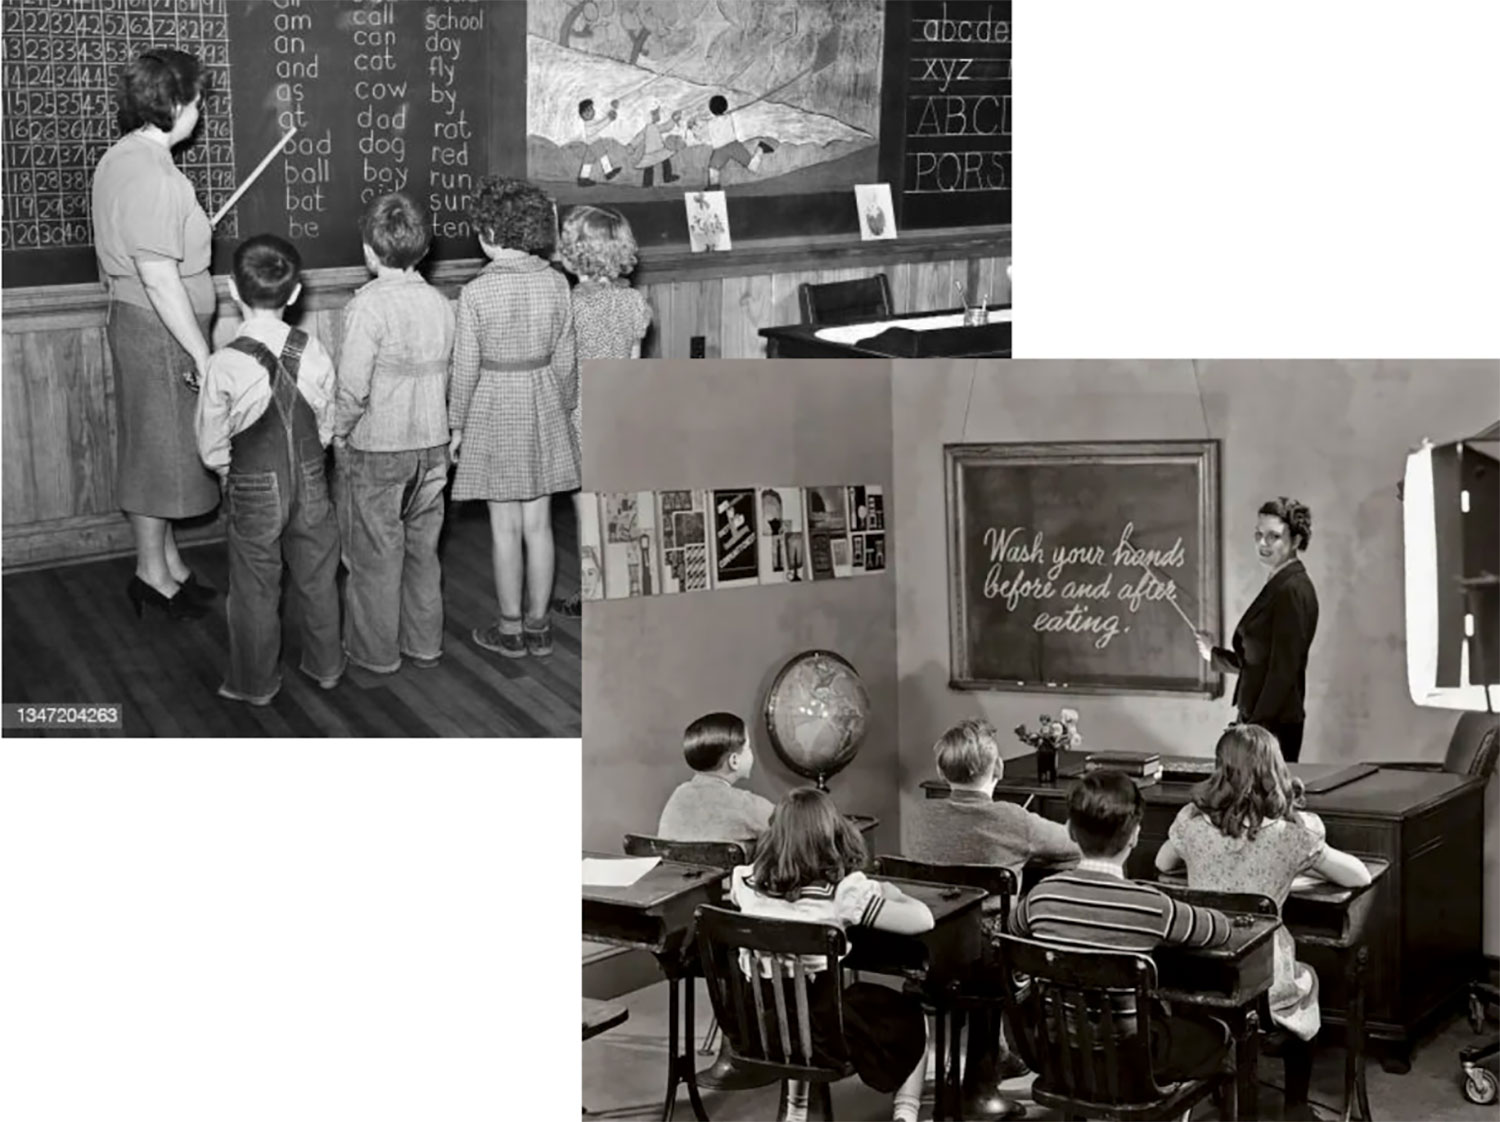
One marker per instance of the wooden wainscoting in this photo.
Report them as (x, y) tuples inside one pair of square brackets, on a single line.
[(57, 455)]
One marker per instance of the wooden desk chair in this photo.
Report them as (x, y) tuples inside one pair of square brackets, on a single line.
[(779, 1046), (845, 301), (978, 999), (601, 1016), (1472, 750), (1097, 1065), (716, 855)]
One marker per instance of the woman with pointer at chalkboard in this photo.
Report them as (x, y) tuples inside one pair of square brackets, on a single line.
[(154, 242), (1270, 645)]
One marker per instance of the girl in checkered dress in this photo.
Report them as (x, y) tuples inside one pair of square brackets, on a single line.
[(512, 393), (598, 247)]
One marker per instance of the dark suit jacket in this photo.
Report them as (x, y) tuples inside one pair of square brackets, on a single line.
[(1270, 649)]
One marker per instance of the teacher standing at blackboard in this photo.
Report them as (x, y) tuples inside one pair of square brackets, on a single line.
[(1271, 642), (154, 243)]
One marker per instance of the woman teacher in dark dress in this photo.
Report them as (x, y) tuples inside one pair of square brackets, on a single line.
[(1270, 645), (153, 242)]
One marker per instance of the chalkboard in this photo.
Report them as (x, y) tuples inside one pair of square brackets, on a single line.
[(432, 95), (946, 120), (1083, 567)]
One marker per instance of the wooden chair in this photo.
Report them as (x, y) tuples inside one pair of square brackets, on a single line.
[(716, 855), (1097, 1064), (978, 999), (845, 301), (779, 1046), (1472, 750)]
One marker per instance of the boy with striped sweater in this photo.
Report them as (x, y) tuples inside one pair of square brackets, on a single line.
[(1094, 907)]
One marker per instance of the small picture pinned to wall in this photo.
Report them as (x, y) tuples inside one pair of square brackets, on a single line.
[(736, 561), (877, 217), (874, 507), (708, 221), (783, 543), (828, 532), (590, 550), (632, 550), (874, 553), (684, 540)]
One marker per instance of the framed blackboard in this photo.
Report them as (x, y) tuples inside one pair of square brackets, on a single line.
[(1083, 567), (429, 96)]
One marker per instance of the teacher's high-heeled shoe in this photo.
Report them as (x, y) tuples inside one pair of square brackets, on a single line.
[(196, 591), (142, 596)]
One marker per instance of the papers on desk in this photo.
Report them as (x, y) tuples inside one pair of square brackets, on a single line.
[(851, 333), (1302, 882), (609, 872)]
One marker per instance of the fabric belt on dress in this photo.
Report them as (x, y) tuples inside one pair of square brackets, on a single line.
[(497, 366)]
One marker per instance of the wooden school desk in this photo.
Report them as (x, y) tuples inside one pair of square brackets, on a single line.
[(1425, 916), (804, 340), (1327, 915), (655, 914)]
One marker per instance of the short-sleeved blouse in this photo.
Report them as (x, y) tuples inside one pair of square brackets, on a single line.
[(1268, 863), (854, 901), (144, 209)]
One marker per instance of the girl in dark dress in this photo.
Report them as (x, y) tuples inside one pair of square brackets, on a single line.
[(807, 867), (1270, 645)]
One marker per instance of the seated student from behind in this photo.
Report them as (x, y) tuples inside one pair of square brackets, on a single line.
[(807, 868), (1246, 831), (708, 807), (265, 416), (971, 828), (1094, 907)]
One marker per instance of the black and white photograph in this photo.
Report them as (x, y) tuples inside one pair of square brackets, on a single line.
[(1133, 639)]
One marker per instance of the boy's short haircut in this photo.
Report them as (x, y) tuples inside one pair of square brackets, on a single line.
[(967, 752), (267, 270), (709, 739), (395, 227), (1103, 808), (585, 105)]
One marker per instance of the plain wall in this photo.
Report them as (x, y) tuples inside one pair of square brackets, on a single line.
[(1334, 435), (653, 664)]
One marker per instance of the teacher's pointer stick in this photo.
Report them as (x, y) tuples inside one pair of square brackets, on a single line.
[(1170, 600), (253, 176)]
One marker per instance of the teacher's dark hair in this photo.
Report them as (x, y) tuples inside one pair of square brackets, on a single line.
[(154, 84), (1297, 516)]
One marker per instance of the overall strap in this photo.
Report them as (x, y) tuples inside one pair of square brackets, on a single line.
[(291, 351), (258, 351)]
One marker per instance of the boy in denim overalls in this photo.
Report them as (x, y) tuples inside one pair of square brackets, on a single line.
[(265, 416)]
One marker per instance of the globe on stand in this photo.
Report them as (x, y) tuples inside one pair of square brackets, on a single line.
[(817, 711)]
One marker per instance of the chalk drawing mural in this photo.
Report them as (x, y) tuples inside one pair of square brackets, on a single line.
[(634, 99)]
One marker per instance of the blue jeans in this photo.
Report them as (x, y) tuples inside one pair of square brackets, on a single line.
[(267, 524), (390, 510)]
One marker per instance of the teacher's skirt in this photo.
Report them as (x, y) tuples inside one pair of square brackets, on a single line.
[(157, 469)]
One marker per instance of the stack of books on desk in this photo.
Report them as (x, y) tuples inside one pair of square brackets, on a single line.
[(1142, 767)]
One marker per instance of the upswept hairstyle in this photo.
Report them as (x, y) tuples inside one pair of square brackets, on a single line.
[(1297, 516), (1103, 807), (267, 269), (967, 751), (1250, 785), (710, 738), (395, 227), (515, 214), (149, 87), (808, 842), (597, 242)]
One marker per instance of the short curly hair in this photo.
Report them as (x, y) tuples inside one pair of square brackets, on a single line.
[(1297, 516), (597, 242), (514, 214), (149, 88)]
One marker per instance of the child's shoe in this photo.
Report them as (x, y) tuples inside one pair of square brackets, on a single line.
[(539, 638), (424, 662), (504, 638), (260, 701), (571, 608)]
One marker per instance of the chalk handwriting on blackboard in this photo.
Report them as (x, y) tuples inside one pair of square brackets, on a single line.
[(1051, 580), (947, 111)]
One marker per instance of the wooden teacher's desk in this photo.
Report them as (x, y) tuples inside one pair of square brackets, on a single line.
[(922, 335), (1425, 919)]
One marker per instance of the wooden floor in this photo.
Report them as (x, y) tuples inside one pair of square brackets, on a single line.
[(70, 635)]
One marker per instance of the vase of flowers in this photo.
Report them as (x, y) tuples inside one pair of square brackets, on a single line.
[(1052, 736)]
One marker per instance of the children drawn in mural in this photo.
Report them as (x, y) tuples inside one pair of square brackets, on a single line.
[(763, 96)]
